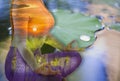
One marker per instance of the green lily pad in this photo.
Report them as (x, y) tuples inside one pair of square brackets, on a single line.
[(70, 26)]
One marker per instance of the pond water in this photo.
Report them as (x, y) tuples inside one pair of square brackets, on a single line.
[(74, 5)]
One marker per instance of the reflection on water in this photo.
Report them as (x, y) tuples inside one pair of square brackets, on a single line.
[(101, 61), (73, 5)]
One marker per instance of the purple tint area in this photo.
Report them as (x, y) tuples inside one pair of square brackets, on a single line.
[(23, 72), (68, 68), (8, 64)]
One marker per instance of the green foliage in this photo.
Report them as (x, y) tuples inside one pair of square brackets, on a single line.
[(34, 43), (46, 48), (50, 40), (43, 42)]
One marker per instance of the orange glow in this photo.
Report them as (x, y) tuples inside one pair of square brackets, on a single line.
[(34, 29), (32, 17)]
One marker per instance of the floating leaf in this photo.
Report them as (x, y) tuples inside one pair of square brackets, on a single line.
[(70, 26)]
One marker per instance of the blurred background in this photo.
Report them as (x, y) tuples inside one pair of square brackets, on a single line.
[(87, 15)]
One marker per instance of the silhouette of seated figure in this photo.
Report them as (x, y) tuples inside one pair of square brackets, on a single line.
[(30, 19)]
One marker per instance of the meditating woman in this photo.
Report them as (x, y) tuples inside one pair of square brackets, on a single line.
[(31, 20)]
